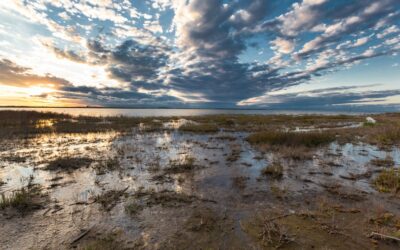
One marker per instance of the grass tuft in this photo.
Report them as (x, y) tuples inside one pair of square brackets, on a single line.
[(23, 200), (275, 171), (185, 165), (388, 181)]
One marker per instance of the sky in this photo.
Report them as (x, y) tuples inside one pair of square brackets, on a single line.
[(269, 54)]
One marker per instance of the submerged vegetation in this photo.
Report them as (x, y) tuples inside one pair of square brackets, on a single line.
[(68, 163)]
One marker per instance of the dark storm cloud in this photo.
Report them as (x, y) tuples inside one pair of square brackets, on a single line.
[(340, 98), (132, 61)]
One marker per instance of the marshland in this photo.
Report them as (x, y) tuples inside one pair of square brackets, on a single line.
[(199, 182)]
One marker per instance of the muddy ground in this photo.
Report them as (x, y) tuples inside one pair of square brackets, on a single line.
[(178, 189)]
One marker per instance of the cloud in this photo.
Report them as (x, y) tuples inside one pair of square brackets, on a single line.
[(347, 98), (198, 52), (15, 75), (283, 45), (303, 16), (364, 19)]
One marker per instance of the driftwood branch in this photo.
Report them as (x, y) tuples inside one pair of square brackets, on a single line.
[(375, 235)]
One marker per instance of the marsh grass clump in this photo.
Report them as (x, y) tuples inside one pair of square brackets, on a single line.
[(388, 181), (291, 139), (181, 166), (275, 170), (69, 164), (389, 135), (235, 153), (109, 164), (240, 181), (152, 126), (133, 208), (300, 153), (23, 200), (165, 198), (110, 198), (387, 162), (199, 128)]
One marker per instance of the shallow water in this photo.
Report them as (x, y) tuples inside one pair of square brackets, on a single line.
[(219, 162)]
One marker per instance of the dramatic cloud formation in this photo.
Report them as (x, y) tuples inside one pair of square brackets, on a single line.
[(202, 53)]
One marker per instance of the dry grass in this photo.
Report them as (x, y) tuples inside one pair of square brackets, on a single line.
[(109, 199), (291, 139), (199, 128), (22, 200), (275, 170), (181, 166), (388, 181)]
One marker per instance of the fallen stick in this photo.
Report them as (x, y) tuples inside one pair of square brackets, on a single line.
[(384, 237), (81, 236), (48, 210)]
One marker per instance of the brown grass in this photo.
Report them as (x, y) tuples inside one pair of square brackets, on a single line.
[(181, 166), (275, 170), (388, 181), (291, 139), (199, 128), (22, 200)]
